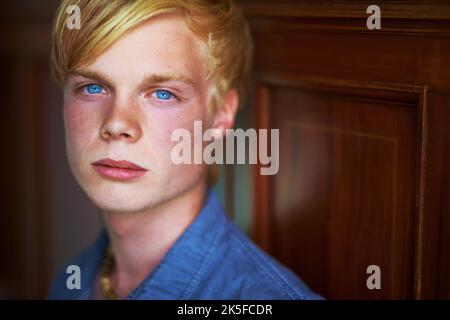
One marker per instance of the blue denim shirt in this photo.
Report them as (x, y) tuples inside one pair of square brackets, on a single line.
[(212, 259)]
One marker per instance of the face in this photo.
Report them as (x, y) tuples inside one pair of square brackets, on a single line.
[(121, 110)]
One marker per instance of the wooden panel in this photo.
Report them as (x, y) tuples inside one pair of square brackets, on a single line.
[(363, 118), (24, 55), (344, 195), (429, 10), (330, 39), (435, 255)]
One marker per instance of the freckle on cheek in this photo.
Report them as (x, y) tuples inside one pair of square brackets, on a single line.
[(75, 123)]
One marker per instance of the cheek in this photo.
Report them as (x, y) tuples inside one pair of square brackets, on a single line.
[(162, 123), (159, 128), (78, 124)]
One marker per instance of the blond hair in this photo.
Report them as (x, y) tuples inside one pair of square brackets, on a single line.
[(217, 22)]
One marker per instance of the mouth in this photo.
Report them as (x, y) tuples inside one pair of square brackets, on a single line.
[(120, 170)]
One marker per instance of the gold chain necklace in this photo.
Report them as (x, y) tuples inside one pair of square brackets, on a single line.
[(106, 268)]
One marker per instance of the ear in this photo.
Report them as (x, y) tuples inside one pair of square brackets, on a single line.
[(226, 112)]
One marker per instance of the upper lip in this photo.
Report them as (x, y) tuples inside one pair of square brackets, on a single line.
[(118, 164)]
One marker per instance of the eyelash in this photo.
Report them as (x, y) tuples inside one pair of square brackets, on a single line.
[(172, 99), (80, 89)]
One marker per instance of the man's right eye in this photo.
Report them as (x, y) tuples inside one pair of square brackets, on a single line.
[(92, 89)]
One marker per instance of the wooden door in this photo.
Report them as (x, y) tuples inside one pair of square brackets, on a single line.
[(364, 144)]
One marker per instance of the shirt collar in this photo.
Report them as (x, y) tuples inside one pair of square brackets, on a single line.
[(177, 275)]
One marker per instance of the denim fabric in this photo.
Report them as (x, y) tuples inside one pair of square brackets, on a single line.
[(212, 259)]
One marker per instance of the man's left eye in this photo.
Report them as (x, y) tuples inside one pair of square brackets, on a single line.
[(93, 88), (164, 94)]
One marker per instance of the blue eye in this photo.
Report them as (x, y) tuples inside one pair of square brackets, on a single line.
[(94, 88), (163, 94)]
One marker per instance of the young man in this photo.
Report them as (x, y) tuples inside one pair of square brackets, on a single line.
[(134, 72)]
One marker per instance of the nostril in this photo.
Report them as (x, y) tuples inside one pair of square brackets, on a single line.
[(126, 135), (106, 135)]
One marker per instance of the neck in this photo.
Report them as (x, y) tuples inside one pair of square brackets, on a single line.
[(139, 241)]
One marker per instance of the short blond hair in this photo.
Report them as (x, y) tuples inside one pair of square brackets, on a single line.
[(217, 22)]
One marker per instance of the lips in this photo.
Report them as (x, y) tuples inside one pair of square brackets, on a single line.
[(121, 170)]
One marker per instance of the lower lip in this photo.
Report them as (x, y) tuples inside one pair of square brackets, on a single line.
[(121, 174)]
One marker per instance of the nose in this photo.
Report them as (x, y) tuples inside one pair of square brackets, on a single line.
[(121, 124)]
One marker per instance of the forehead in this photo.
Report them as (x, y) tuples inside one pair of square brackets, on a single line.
[(162, 45)]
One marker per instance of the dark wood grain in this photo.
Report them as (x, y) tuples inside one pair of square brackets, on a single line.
[(363, 119), (25, 29)]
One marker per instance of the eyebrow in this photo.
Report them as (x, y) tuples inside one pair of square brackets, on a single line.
[(148, 79)]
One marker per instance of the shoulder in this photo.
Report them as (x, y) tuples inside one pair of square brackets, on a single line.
[(252, 274), (83, 265), (65, 274)]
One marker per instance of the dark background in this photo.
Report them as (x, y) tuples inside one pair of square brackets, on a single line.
[(364, 151)]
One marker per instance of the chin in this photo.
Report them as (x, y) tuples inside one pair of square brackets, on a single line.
[(122, 208), (122, 202), (136, 196), (120, 197)]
